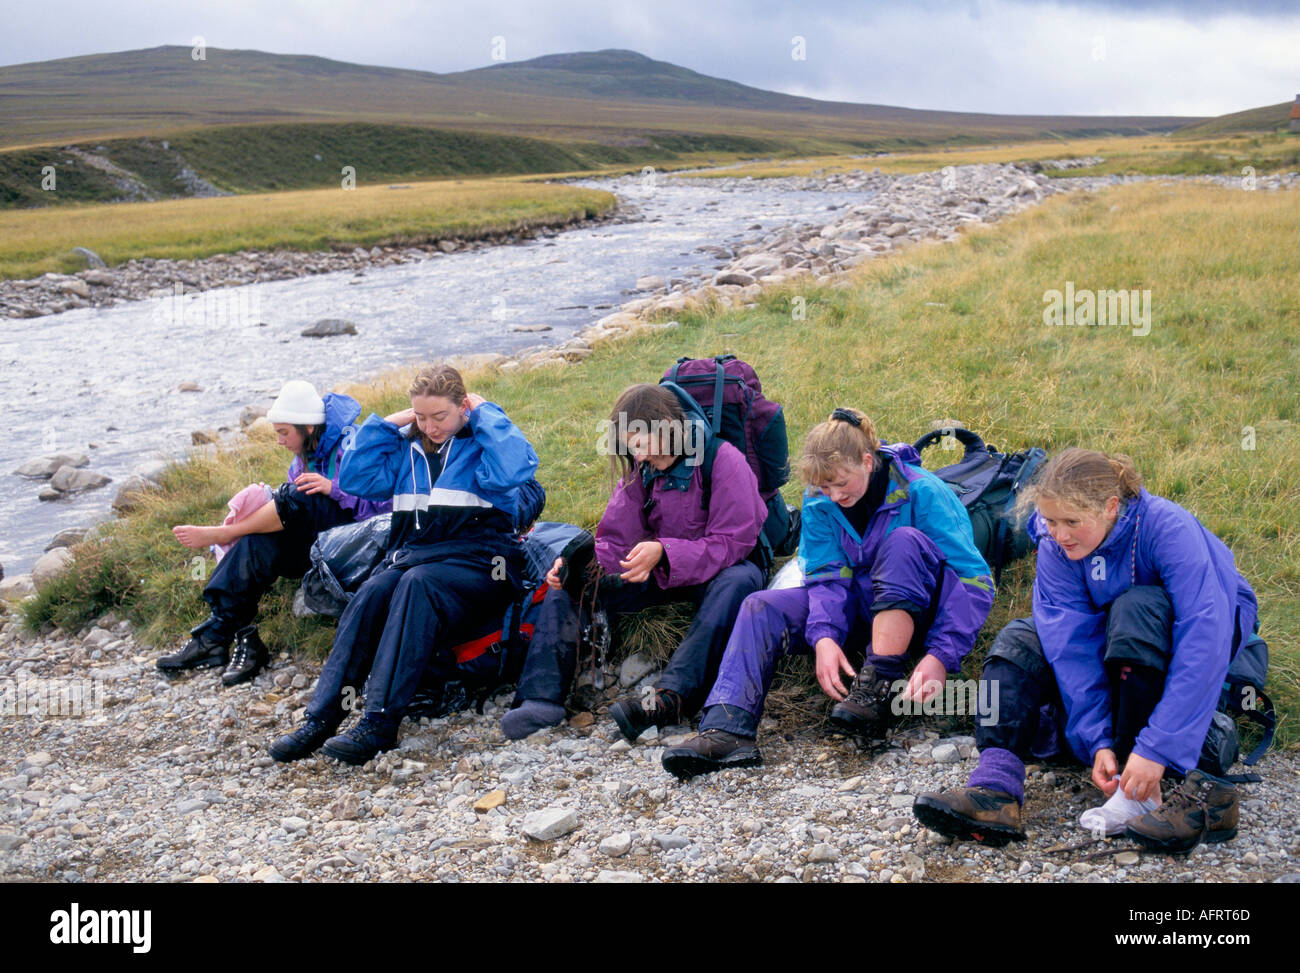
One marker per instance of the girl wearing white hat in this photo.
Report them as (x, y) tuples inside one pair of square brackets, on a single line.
[(274, 539)]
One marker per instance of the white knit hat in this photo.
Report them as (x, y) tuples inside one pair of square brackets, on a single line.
[(299, 404)]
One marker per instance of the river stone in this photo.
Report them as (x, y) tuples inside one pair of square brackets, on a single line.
[(100, 278), (490, 800), (92, 259), (50, 565), (1127, 858), (203, 437), (328, 328), (43, 467), (250, 414), (18, 586), (551, 822), (824, 852), (132, 493), (607, 877), (189, 387), (635, 668), (616, 845), (69, 479), (651, 283), (75, 286), (68, 537), (945, 753), (895, 229), (738, 277), (530, 327), (10, 841)]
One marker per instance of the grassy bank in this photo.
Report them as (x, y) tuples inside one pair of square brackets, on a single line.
[(33, 242), (1153, 155), (1206, 403)]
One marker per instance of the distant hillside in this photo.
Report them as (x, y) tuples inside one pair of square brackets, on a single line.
[(614, 97), (1270, 118)]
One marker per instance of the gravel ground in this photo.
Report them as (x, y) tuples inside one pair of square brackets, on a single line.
[(170, 781)]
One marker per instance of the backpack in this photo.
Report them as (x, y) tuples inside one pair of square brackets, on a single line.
[(731, 397), (1242, 696), (493, 654), (987, 482), (343, 557)]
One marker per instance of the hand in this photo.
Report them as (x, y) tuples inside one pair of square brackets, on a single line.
[(1141, 778), (474, 401), (641, 560), (403, 418), (1104, 770), (553, 575), (830, 664), (927, 679), (310, 483)]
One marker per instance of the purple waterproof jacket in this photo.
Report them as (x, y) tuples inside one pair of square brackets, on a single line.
[(698, 542), (1154, 542), (340, 412)]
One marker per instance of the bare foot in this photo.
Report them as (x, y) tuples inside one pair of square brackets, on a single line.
[(200, 537)]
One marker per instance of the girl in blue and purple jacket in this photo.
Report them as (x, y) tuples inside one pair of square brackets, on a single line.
[(1137, 612), (891, 571), (658, 542)]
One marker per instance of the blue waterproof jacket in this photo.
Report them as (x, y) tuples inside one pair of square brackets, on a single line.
[(831, 551), (341, 412), (1154, 542), (464, 501)]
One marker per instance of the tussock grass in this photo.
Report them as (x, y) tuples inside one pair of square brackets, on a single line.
[(33, 242), (936, 332)]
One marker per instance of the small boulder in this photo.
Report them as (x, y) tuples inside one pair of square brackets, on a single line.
[(50, 565), (651, 283), (635, 668), (737, 277), (92, 259), (189, 387), (132, 493), (75, 286), (204, 437), (250, 414), (68, 537), (328, 328), (551, 822), (70, 479), (44, 467)]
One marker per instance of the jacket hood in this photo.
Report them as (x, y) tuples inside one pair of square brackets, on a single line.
[(340, 412), (697, 440), (1119, 534)]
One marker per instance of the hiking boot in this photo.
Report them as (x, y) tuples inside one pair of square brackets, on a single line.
[(197, 654), (1201, 808), (372, 735), (248, 658), (978, 813), (865, 711), (711, 750), (306, 739), (633, 718)]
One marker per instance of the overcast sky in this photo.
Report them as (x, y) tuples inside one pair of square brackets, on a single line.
[(1149, 57)]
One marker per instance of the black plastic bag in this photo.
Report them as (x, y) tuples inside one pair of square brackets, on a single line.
[(341, 560)]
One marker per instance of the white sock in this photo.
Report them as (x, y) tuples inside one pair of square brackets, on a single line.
[(1118, 811)]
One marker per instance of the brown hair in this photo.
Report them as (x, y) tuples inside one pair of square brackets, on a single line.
[(836, 444), (1084, 479), (653, 406), (310, 441), (440, 380)]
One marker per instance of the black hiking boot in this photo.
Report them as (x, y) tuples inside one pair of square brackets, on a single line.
[(372, 735), (978, 813), (304, 740), (865, 711), (198, 653), (711, 750), (633, 719), (247, 659), (1201, 808)]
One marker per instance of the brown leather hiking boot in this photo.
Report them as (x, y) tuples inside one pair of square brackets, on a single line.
[(711, 750), (633, 719), (865, 711), (978, 813), (1201, 808)]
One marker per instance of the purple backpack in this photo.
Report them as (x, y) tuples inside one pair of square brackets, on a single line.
[(752, 423)]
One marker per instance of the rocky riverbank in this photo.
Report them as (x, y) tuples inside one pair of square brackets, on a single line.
[(160, 780), (135, 280)]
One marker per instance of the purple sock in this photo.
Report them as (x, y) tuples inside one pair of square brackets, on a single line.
[(888, 667), (1000, 770)]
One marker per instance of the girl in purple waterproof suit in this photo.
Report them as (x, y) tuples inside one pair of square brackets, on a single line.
[(657, 542), (890, 567), (1138, 610)]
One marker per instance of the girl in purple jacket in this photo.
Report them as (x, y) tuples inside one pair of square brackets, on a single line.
[(657, 542), (1137, 612)]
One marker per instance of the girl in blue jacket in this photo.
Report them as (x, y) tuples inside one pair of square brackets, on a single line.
[(1137, 611), (454, 466), (891, 571)]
